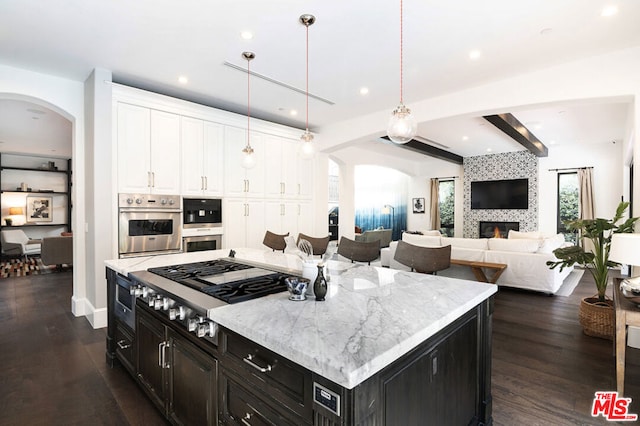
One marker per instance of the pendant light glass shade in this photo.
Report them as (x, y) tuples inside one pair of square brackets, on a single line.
[(306, 138), (402, 125), (248, 156)]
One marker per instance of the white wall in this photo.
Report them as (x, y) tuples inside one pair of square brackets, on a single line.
[(65, 97), (614, 75)]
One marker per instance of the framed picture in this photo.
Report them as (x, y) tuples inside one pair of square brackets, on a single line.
[(418, 205), (39, 209)]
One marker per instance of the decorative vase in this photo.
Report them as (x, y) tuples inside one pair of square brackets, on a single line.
[(597, 318), (320, 284)]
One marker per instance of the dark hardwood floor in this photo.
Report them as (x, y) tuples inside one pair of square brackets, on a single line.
[(53, 369)]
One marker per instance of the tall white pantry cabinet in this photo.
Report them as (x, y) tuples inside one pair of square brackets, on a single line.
[(169, 146)]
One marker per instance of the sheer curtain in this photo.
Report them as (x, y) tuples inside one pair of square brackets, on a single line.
[(375, 188), (435, 204), (585, 201), (585, 193)]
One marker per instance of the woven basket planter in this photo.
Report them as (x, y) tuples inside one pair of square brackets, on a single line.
[(597, 318)]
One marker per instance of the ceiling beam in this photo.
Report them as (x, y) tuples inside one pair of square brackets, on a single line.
[(429, 150), (518, 132)]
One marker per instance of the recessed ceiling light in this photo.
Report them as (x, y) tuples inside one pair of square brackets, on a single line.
[(293, 112), (475, 54), (246, 35), (364, 90), (465, 138), (609, 10), (489, 149), (546, 31), (183, 79), (552, 142)]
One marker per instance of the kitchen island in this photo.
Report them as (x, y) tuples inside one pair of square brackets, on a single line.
[(385, 347)]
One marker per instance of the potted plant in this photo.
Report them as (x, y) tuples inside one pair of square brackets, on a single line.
[(596, 313)]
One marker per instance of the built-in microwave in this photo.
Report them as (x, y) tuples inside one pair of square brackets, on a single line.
[(201, 212)]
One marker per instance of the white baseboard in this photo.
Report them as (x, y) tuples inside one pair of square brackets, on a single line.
[(98, 318)]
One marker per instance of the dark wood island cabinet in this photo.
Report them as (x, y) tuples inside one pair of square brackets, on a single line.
[(385, 348)]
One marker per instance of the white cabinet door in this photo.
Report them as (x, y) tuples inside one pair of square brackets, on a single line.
[(305, 177), (192, 145), (165, 152), (305, 219), (255, 223), (282, 171), (213, 158), (238, 181), (244, 223), (134, 145), (282, 217), (202, 155)]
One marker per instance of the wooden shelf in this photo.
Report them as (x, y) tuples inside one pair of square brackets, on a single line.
[(29, 225), (29, 169), (34, 192)]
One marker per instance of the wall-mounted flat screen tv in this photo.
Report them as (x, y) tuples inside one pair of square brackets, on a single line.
[(500, 194)]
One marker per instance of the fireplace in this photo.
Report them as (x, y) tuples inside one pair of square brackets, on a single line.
[(497, 229)]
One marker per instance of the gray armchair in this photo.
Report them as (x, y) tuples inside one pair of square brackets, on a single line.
[(57, 251), (383, 235), (16, 242)]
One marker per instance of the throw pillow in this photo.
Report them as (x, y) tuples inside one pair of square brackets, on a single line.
[(519, 245), (532, 235), (421, 240), (471, 243), (548, 245)]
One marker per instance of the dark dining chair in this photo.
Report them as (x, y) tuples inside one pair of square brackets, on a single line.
[(359, 251), (275, 241), (319, 244), (426, 260)]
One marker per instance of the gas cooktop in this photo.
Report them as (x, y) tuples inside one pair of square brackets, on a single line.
[(231, 282)]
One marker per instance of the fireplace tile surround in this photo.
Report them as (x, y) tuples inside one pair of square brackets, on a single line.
[(509, 165)]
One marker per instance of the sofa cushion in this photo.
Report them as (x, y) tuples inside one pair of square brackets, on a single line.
[(421, 240), (471, 243), (534, 235), (515, 245), (548, 245)]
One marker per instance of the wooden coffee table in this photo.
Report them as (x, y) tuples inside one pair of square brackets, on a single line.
[(479, 267)]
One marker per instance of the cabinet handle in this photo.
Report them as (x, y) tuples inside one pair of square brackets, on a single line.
[(248, 185), (201, 183), (245, 419), (149, 179), (249, 360), (153, 179), (299, 189), (281, 187), (281, 209), (206, 182), (123, 345), (161, 354)]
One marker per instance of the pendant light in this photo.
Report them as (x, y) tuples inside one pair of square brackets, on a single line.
[(248, 159), (402, 125), (306, 138)]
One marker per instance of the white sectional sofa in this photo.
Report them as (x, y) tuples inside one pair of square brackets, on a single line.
[(525, 255)]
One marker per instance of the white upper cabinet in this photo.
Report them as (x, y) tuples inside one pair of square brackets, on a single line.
[(281, 177), (165, 152), (202, 157), (148, 150), (241, 182)]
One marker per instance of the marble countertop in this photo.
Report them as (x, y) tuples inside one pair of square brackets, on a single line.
[(371, 316)]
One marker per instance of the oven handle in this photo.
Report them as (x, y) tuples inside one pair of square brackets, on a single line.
[(148, 210)]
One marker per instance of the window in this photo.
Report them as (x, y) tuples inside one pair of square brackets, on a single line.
[(567, 203), (446, 190)]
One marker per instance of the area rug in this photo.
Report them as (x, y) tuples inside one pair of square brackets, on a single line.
[(570, 283), (19, 267)]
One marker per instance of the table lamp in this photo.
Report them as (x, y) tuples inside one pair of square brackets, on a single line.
[(625, 249)]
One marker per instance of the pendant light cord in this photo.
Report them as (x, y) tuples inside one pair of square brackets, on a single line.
[(248, 99), (401, 54), (307, 77)]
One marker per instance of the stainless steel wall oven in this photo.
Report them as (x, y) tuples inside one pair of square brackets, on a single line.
[(149, 224)]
